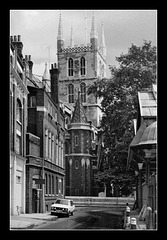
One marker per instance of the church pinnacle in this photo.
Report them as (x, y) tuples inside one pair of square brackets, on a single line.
[(102, 42), (60, 29), (93, 33), (71, 37)]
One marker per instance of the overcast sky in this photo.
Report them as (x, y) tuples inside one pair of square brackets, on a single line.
[(39, 28)]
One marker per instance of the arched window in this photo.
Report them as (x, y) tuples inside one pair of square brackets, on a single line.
[(18, 145), (83, 71), (71, 93), (83, 92), (19, 111), (76, 164), (70, 67)]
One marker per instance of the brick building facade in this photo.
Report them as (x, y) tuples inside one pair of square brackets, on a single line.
[(46, 159), (18, 125)]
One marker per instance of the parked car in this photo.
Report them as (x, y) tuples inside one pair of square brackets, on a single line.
[(63, 207)]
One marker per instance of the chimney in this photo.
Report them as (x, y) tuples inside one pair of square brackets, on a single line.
[(16, 40), (30, 64), (54, 74)]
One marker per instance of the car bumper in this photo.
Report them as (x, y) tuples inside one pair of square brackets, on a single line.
[(59, 212)]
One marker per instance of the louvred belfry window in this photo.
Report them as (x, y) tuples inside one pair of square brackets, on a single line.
[(83, 92), (71, 93), (83, 71), (70, 67)]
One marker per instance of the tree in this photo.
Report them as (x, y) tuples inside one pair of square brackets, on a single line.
[(136, 72)]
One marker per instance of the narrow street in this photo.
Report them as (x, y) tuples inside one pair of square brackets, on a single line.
[(87, 218)]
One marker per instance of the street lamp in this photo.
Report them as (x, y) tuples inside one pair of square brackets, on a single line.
[(140, 165)]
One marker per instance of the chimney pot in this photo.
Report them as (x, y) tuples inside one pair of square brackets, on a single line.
[(51, 66), (54, 65), (29, 57), (19, 38), (15, 38)]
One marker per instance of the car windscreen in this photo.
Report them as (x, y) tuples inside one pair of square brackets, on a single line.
[(62, 201)]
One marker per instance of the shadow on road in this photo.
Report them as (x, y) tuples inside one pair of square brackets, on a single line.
[(99, 220)]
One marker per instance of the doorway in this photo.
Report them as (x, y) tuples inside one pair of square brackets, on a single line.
[(34, 200)]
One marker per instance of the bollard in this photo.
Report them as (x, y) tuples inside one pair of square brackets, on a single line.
[(133, 223), (148, 218)]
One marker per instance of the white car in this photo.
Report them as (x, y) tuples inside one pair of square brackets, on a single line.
[(63, 207)]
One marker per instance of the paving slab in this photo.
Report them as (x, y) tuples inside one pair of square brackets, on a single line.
[(26, 221)]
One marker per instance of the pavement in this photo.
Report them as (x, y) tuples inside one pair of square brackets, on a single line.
[(28, 221)]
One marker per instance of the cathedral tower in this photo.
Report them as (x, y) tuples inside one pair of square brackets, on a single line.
[(79, 66)]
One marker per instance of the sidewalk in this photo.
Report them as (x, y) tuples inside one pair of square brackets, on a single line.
[(28, 221)]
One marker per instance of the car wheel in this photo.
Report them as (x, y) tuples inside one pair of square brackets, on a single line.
[(52, 213), (72, 213)]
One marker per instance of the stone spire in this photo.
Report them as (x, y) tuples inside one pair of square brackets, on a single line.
[(71, 37), (46, 75), (46, 78), (79, 115), (60, 29), (93, 33), (102, 42)]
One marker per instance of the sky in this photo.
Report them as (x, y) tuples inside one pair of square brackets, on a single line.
[(39, 28)]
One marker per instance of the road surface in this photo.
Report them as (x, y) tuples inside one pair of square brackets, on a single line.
[(87, 218)]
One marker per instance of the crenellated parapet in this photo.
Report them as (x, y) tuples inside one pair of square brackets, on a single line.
[(76, 48)]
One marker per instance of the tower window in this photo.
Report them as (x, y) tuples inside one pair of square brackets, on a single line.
[(70, 67), (76, 140), (71, 93), (76, 164), (83, 92), (83, 71)]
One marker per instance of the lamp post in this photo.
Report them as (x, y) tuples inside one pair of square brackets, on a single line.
[(140, 165)]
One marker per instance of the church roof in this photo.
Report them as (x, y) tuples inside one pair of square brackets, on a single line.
[(79, 115)]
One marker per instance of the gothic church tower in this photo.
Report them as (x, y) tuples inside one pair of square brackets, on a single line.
[(79, 66)]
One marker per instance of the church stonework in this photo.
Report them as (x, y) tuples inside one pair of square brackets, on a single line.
[(79, 66)]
